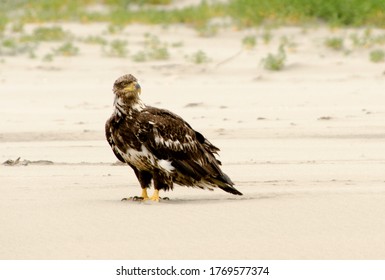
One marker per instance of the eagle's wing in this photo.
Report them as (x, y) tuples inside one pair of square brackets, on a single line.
[(111, 122), (170, 138)]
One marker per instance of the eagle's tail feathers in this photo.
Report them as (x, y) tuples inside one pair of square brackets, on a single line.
[(202, 174), (230, 189), (224, 182)]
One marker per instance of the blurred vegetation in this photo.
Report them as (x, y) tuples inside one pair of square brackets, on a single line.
[(245, 13), (334, 12), (54, 33), (335, 43), (116, 48), (199, 57), (275, 62), (153, 49), (377, 56), (139, 2), (249, 42), (67, 49)]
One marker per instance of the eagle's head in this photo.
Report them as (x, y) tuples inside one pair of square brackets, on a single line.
[(126, 87)]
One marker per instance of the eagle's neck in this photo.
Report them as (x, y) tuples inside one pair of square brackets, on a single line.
[(127, 106)]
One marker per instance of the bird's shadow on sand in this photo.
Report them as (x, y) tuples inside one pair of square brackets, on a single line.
[(212, 200)]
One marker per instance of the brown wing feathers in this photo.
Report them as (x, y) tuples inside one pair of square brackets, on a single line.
[(169, 137), (161, 144)]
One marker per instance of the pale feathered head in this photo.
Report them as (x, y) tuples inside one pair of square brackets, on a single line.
[(126, 87)]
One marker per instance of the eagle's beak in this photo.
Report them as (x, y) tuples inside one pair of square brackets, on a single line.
[(133, 87), (138, 88)]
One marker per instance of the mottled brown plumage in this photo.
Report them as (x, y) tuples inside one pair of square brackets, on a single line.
[(160, 146)]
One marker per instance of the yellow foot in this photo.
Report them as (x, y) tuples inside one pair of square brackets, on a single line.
[(155, 196)]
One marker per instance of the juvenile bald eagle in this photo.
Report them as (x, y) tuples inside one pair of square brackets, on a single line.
[(160, 146)]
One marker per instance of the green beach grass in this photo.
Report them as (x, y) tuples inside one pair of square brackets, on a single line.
[(333, 12), (206, 17), (245, 13)]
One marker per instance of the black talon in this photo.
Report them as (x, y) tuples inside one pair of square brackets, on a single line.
[(140, 198), (132, 198)]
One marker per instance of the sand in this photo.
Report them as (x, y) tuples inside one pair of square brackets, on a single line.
[(305, 145)]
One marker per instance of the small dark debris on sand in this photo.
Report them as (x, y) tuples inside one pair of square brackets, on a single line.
[(16, 162), (194, 104), (325, 118)]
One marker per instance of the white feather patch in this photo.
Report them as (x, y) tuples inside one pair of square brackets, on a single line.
[(139, 106), (166, 165), (119, 108), (175, 144), (145, 160)]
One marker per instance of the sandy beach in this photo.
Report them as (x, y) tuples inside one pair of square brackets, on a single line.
[(305, 145)]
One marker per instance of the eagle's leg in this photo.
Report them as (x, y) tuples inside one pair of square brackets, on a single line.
[(144, 194), (160, 183), (144, 179)]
